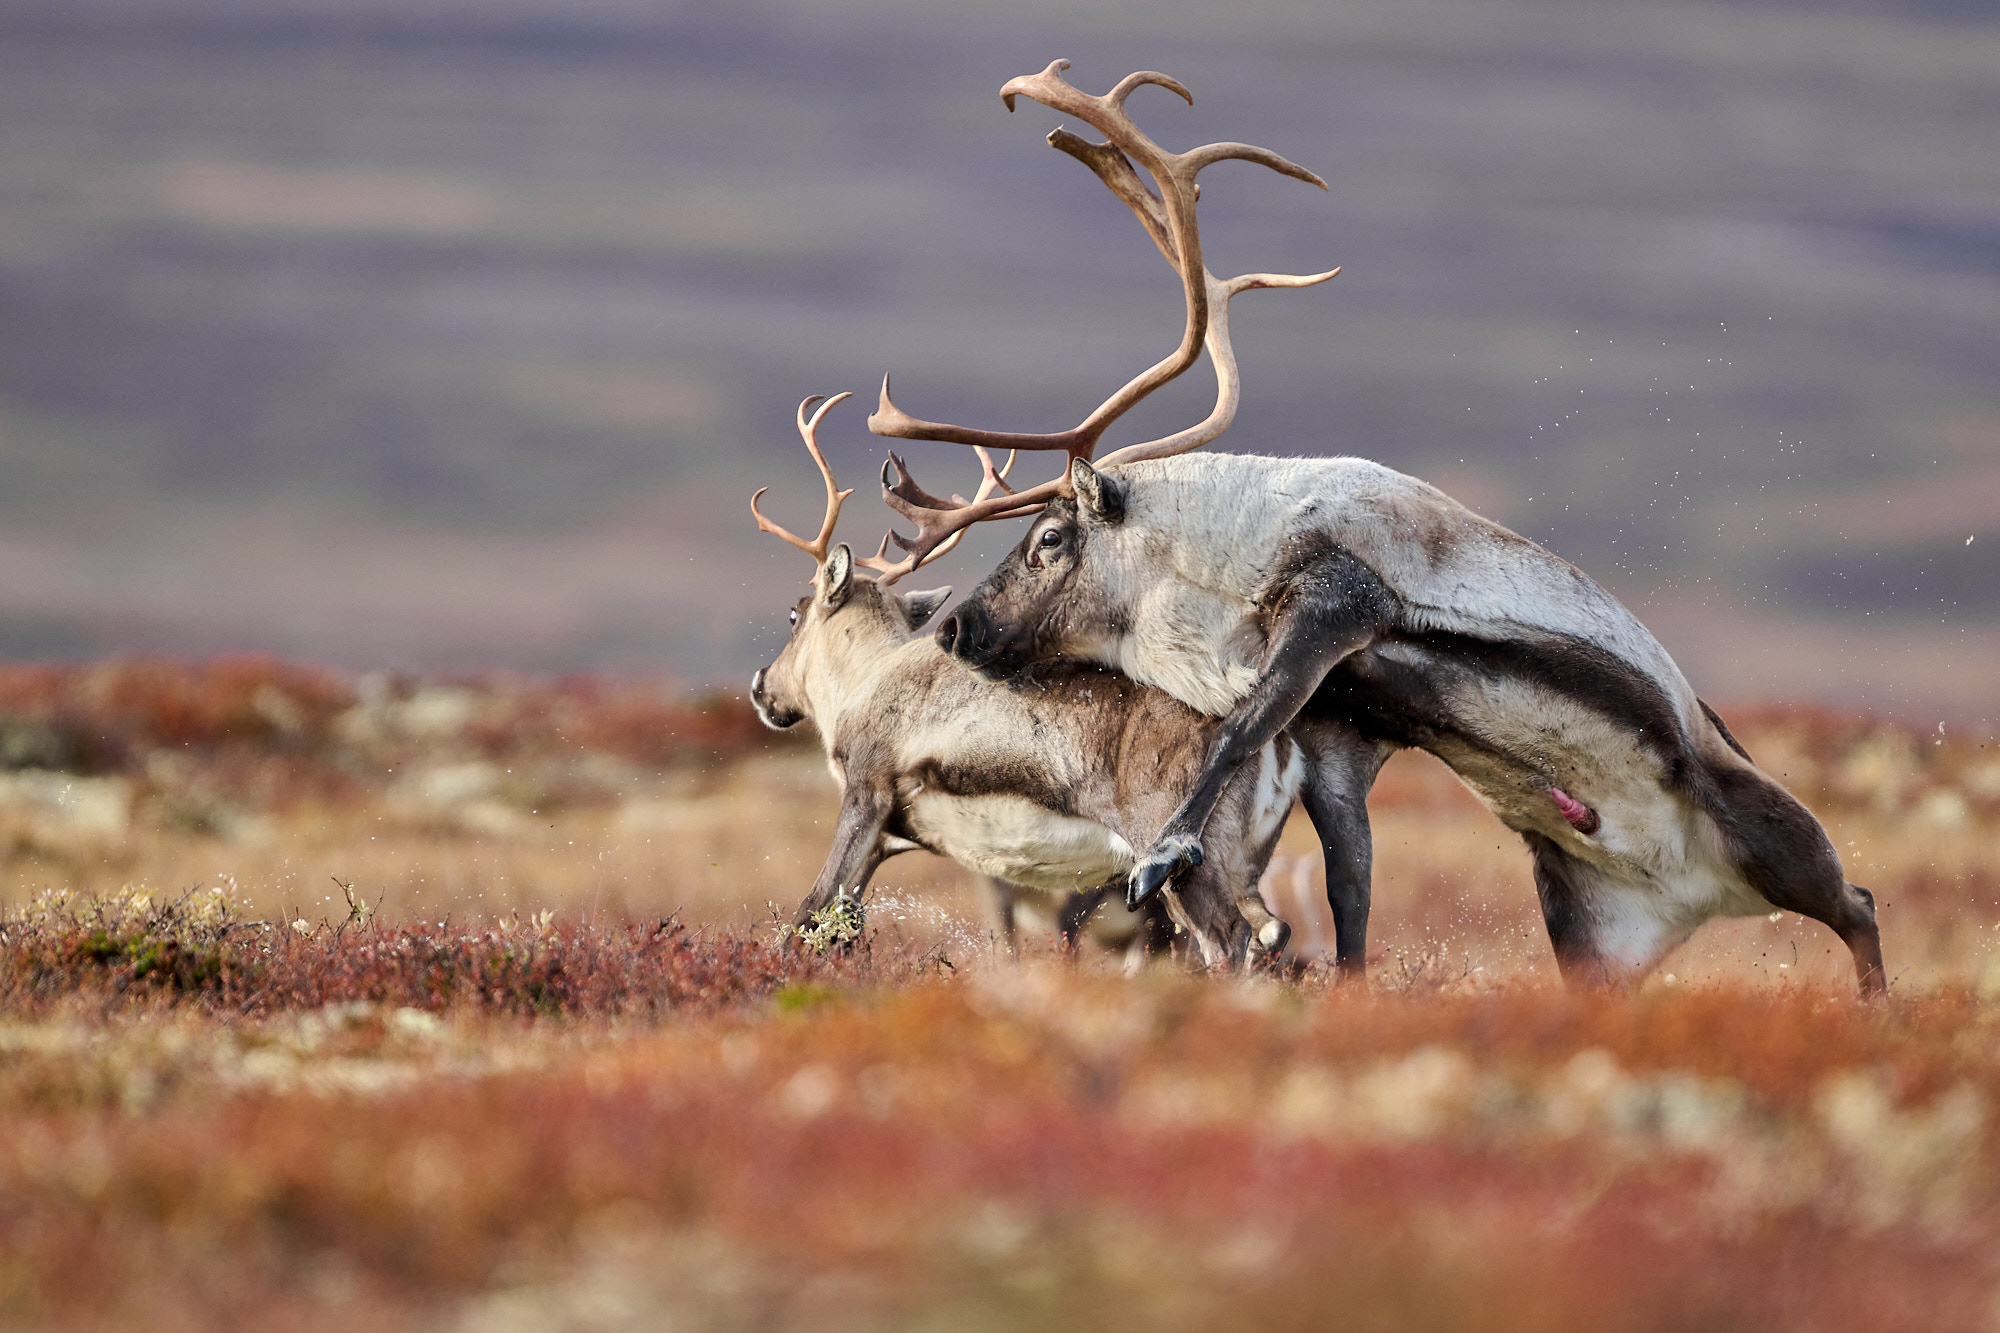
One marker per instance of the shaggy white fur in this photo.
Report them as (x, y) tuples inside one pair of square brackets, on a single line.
[(1219, 522)]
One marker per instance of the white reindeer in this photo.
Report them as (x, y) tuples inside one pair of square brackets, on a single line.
[(1365, 610)]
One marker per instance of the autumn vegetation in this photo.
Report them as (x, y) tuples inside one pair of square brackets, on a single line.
[(330, 1002)]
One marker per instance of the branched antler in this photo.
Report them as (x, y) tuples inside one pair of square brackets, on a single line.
[(835, 497), (888, 571), (1169, 219)]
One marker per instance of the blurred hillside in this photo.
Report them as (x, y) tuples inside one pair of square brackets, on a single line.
[(453, 335)]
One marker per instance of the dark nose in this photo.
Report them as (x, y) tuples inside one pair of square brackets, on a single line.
[(757, 684), (965, 633)]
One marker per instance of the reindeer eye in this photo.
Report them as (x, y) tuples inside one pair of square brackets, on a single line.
[(1051, 537), (795, 617)]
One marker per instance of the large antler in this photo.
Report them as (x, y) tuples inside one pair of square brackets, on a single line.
[(817, 548), (835, 497), (1169, 218), (888, 571)]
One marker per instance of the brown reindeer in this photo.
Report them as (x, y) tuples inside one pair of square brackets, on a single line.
[(1046, 782), (1363, 611)]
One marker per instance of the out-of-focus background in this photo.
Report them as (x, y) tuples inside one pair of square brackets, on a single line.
[(381, 385), (453, 335)]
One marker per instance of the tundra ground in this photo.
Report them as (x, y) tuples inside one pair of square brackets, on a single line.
[(560, 1069)]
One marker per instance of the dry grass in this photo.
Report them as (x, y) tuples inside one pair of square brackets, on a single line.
[(528, 1094), (473, 799), (1022, 1146)]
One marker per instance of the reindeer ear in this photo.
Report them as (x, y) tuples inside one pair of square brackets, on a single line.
[(919, 607), (836, 578), (1097, 493)]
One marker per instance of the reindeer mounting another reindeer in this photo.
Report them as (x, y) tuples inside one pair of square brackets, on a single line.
[(1045, 783), (1364, 611)]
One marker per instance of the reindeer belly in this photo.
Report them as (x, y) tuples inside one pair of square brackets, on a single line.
[(1511, 737), (1019, 841), (1660, 867)]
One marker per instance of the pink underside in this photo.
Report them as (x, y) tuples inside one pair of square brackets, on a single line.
[(1580, 816)]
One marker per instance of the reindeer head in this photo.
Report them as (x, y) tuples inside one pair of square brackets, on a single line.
[(846, 620), (1043, 597), (836, 629)]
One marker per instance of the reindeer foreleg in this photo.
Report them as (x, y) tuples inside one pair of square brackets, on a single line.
[(857, 848), (1330, 607), (1342, 765), (1001, 897), (1075, 913)]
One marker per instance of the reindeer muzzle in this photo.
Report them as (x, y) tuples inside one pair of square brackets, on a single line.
[(768, 712), (971, 635)]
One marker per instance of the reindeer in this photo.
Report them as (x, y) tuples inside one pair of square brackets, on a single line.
[(1046, 782), (1366, 611)]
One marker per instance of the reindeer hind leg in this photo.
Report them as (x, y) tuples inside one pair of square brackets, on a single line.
[(1000, 900), (1605, 934), (1863, 939), (1781, 851)]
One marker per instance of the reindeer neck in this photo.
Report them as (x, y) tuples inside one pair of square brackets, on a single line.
[(1212, 518), (850, 656)]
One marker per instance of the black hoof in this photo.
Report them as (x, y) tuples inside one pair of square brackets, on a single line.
[(1147, 880), (1169, 859)]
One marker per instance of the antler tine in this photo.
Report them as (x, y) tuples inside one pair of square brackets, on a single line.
[(1126, 86), (1228, 384), (835, 497), (890, 420), (991, 480), (1209, 154), (1115, 170), (999, 479)]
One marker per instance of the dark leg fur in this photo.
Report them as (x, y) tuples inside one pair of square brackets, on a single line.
[(1156, 926), (1342, 765), (1001, 895), (1076, 912), (856, 850), (1156, 935), (1784, 854), (1331, 607), (1864, 941), (1563, 885)]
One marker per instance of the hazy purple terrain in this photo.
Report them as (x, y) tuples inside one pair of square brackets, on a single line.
[(455, 334)]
